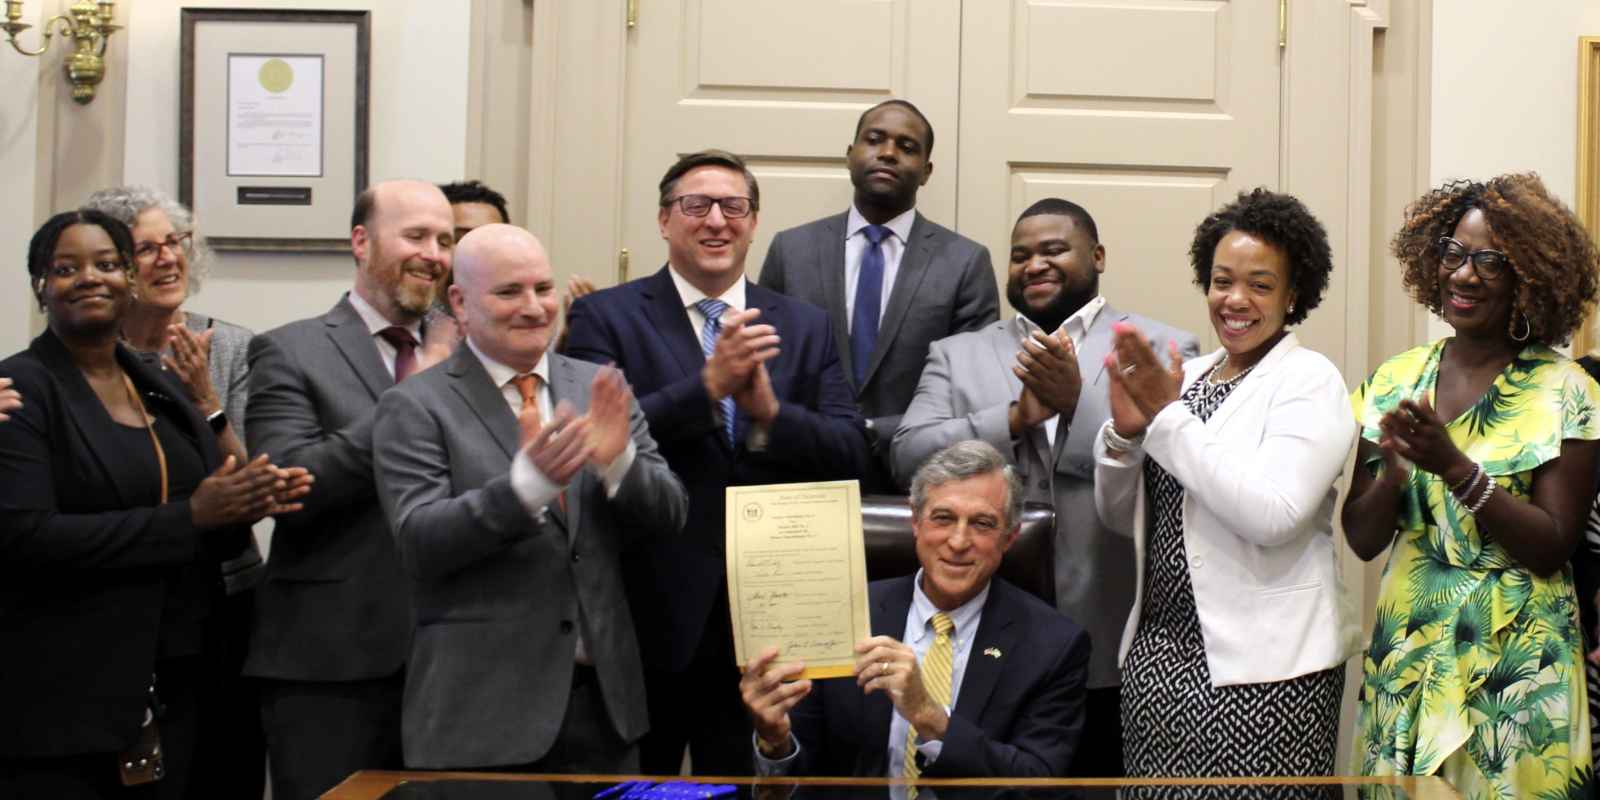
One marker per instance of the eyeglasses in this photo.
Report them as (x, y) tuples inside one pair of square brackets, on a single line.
[(1487, 264), (699, 205), (177, 243)]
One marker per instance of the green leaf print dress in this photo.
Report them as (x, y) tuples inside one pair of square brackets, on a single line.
[(1474, 671)]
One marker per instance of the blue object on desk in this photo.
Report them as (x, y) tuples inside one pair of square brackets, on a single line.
[(671, 790)]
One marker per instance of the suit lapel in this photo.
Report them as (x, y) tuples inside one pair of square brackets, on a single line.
[(350, 335), (95, 425), (564, 385), (997, 637), (471, 381), (1092, 399), (664, 308), (831, 267), (913, 268)]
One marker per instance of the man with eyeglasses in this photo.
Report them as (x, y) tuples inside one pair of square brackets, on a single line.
[(892, 280), (701, 347)]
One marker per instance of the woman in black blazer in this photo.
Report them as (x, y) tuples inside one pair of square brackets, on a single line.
[(115, 508)]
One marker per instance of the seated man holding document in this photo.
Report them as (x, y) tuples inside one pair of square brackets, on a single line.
[(965, 675)]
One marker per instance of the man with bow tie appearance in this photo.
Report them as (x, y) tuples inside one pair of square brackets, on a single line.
[(965, 675), (514, 478)]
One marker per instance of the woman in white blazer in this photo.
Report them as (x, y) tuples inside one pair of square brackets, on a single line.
[(1223, 471)]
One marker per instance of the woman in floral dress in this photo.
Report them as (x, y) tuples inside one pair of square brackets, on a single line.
[(1476, 461)]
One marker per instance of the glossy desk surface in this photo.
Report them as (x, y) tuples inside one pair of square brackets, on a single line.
[(508, 786)]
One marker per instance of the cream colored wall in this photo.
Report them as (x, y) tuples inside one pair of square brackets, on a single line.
[(19, 142), (418, 129), (1505, 92)]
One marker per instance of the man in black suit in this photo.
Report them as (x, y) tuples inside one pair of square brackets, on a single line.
[(965, 675), (923, 282), (728, 406), (333, 617)]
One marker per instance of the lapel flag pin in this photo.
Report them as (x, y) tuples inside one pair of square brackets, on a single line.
[(992, 652)]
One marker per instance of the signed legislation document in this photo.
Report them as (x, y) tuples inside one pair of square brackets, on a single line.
[(797, 574)]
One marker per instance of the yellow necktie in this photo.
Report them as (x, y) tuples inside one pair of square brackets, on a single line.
[(936, 666)]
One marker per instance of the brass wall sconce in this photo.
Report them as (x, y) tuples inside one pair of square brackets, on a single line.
[(88, 22)]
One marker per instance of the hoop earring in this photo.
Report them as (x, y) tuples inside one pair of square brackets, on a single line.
[(1527, 329)]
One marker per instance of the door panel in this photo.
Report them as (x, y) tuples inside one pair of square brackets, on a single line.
[(780, 83), (1148, 114)]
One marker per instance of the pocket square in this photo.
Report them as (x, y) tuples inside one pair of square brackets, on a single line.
[(992, 652)]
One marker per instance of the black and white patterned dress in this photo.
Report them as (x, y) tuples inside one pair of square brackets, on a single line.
[(1175, 723)]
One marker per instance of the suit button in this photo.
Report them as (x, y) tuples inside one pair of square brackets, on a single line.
[(566, 626), (1045, 484), (1196, 562), (575, 557)]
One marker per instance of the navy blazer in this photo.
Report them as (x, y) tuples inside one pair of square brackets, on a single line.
[(86, 559), (1020, 709), (641, 327)]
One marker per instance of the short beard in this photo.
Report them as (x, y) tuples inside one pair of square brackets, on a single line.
[(1054, 312)]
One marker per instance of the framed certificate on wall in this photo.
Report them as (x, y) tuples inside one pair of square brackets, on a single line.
[(273, 127)]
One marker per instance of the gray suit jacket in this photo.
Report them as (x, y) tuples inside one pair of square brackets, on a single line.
[(334, 605), (966, 393), (500, 594), (945, 285)]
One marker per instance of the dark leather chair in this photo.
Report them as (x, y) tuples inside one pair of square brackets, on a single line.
[(892, 551)]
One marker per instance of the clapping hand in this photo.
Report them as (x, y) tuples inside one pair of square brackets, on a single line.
[(741, 346), (1140, 385), (191, 362)]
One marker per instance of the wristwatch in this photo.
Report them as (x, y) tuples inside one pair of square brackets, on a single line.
[(217, 420)]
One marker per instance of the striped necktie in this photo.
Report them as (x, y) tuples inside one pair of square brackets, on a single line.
[(713, 309), (937, 665)]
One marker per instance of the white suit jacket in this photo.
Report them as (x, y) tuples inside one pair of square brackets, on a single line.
[(1258, 506)]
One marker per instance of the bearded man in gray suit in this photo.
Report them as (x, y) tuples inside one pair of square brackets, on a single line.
[(891, 280), (513, 478), (1035, 388)]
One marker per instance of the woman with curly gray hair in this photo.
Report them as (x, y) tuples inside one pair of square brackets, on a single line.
[(208, 355), (171, 258)]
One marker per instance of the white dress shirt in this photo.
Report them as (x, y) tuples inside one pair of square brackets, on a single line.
[(855, 244), (919, 634), (375, 323), (734, 297), (1077, 326)]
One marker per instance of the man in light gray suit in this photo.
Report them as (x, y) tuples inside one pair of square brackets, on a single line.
[(891, 280), (513, 478), (1035, 388)]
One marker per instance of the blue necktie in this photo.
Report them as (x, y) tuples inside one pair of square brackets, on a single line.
[(712, 309), (869, 296)]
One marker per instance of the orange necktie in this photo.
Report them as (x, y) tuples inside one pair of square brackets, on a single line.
[(529, 421)]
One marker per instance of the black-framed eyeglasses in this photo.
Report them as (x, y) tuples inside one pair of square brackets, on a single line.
[(699, 205), (1488, 264), (177, 243)]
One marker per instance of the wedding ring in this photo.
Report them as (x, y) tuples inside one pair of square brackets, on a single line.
[(883, 668), (1128, 370)]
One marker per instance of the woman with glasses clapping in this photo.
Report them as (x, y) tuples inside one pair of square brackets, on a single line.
[(1476, 462)]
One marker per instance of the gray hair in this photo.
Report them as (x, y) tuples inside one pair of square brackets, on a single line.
[(126, 203), (963, 460)]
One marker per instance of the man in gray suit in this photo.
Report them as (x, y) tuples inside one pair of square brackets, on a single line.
[(513, 478), (891, 280), (1035, 388), (333, 617)]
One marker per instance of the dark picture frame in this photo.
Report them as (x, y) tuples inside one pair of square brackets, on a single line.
[(287, 213)]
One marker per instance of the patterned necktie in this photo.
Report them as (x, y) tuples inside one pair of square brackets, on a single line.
[(713, 310), (528, 419), (869, 297), (937, 664), (405, 350)]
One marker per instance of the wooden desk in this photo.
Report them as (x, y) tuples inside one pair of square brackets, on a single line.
[(374, 785)]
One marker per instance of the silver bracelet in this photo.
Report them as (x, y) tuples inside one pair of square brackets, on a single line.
[(1472, 477), (1483, 499), (1464, 491), (1116, 441)]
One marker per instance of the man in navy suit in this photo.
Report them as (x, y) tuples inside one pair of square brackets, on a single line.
[(741, 386), (965, 675)]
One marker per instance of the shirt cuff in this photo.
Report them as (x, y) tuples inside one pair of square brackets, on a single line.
[(612, 475), (532, 487), (769, 767)]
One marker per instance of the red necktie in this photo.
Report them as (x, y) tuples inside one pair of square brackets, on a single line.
[(529, 421), (405, 350)]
